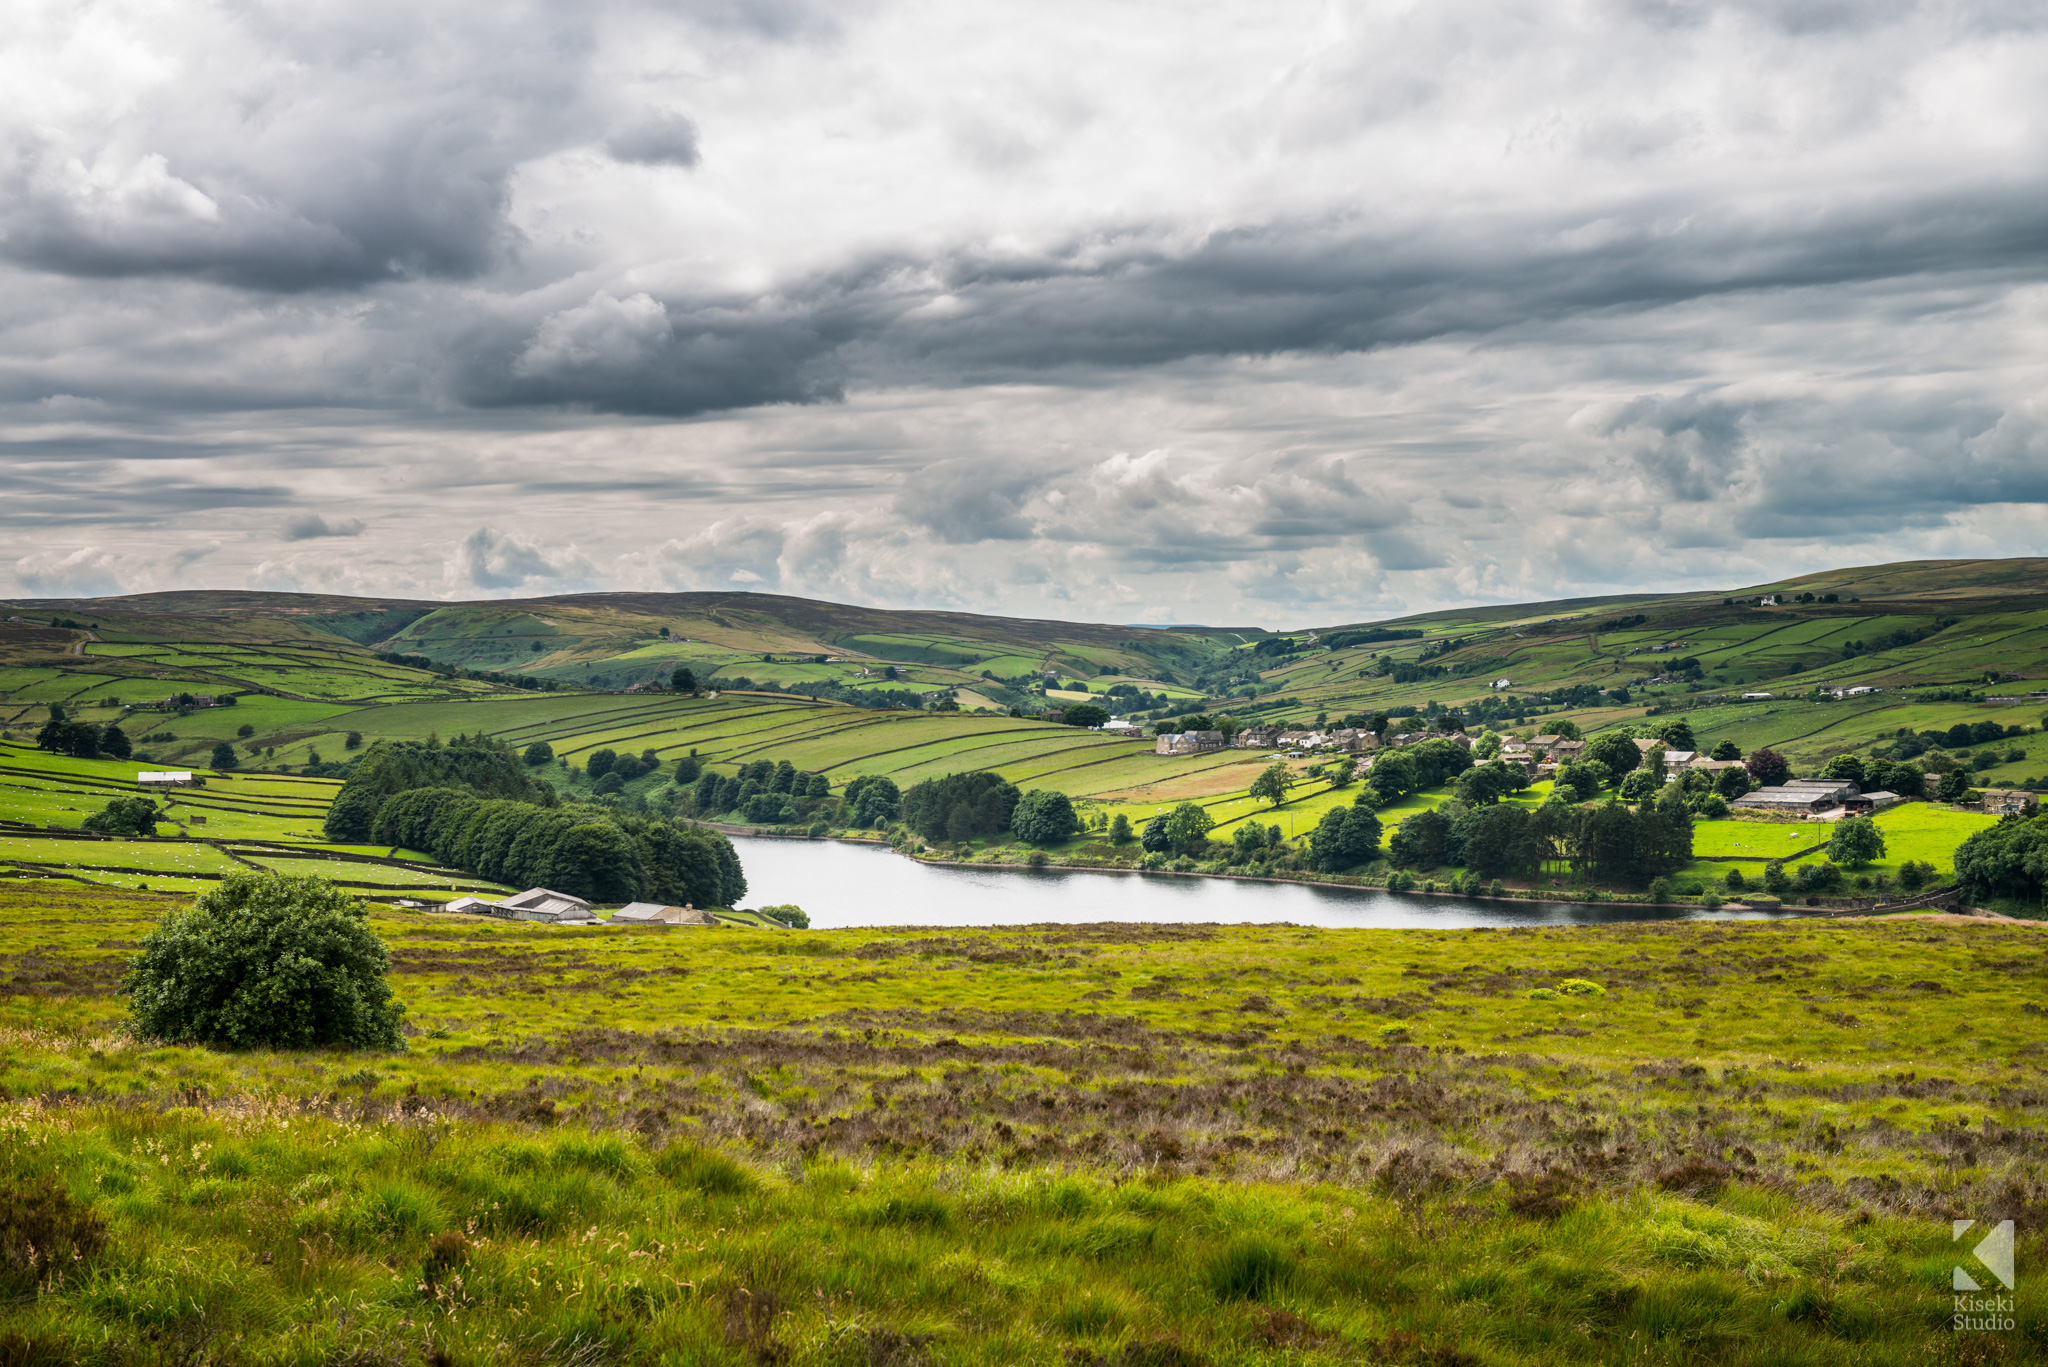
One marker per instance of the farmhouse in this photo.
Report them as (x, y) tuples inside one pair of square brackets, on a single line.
[(1188, 743), (1256, 738), (165, 778), (2010, 802)]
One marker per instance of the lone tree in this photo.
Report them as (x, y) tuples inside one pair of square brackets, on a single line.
[(223, 757), (1273, 782), (1768, 768), (265, 961), (540, 752), (683, 681), (1857, 841), (1188, 827)]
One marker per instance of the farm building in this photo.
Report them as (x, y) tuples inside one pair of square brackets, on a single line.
[(535, 904), (655, 914), (1868, 804), (1800, 797), (1256, 738), (165, 778)]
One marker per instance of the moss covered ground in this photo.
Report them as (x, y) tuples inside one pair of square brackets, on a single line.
[(1113, 1144)]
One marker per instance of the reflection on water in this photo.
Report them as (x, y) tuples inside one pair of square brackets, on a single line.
[(856, 885)]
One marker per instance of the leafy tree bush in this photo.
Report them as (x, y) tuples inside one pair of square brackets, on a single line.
[(1734, 882), (1857, 842), (1273, 782), (609, 784), (540, 752), (688, 769), (1489, 783), (791, 915), (1727, 750), (1616, 750), (124, 816), (1846, 769), (1084, 714), (1188, 826), (1120, 829), (1732, 783), (244, 731), (600, 763), (265, 961), (223, 757), (1044, 817), (1156, 839), (1638, 786), (1767, 768), (115, 742), (352, 741)]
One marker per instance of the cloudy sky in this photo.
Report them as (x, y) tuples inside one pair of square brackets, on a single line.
[(1264, 312)]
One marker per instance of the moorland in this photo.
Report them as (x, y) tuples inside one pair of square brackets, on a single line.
[(1649, 1143)]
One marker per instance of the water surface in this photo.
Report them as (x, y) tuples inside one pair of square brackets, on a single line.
[(842, 885)]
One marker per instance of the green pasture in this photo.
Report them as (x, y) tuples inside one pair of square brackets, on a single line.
[(1756, 839), (353, 872), (166, 856), (1928, 832)]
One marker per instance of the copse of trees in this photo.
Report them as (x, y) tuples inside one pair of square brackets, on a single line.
[(872, 800), (124, 816), (1044, 817), (765, 792), (1345, 838), (960, 806), (586, 851), (1612, 842), (476, 765), (65, 735)]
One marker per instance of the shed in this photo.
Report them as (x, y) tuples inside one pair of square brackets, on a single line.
[(1864, 804), (656, 914), (164, 778), (545, 904)]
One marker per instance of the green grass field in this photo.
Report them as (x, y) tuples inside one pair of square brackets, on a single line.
[(1133, 1145)]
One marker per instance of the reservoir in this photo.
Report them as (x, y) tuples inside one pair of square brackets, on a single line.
[(843, 885)]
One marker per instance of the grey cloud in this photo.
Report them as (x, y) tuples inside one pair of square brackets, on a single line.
[(312, 525), (962, 501), (660, 137)]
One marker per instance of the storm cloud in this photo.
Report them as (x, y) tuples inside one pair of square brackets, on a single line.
[(1136, 312)]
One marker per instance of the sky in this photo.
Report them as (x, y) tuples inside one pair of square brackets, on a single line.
[(1268, 313)]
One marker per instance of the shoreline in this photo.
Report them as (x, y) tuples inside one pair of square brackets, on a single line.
[(1781, 912)]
